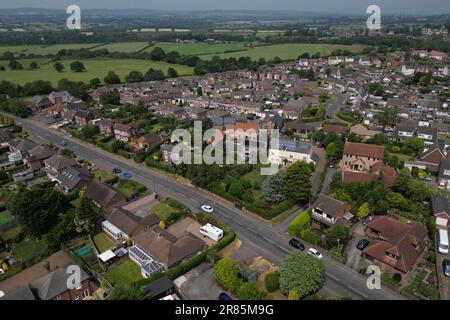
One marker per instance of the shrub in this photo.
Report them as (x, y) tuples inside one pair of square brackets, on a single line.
[(272, 281), (124, 154), (299, 223), (249, 291), (226, 273), (337, 235), (301, 272), (310, 236)]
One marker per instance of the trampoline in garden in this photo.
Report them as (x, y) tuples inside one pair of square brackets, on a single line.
[(83, 252)]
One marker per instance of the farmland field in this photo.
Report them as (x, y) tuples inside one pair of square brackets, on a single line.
[(123, 46), (94, 68), (197, 48), (44, 50), (287, 51)]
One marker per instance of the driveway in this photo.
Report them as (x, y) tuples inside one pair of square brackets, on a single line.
[(199, 284), (354, 258), (443, 281)]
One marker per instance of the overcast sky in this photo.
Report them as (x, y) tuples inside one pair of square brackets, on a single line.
[(341, 6)]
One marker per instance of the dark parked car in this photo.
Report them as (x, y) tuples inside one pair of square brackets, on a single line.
[(362, 244), (133, 196), (296, 244), (117, 170), (446, 267), (224, 297)]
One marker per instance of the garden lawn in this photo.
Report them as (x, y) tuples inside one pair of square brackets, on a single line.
[(162, 210), (288, 51), (123, 274), (94, 68), (11, 233), (29, 248), (103, 242), (5, 217), (103, 175), (128, 187)]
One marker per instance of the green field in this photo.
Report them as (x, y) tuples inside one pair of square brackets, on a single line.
[(162, 210), (123, 46), (288, 51), (94, 68), (129, 187), (44, 50), (197, 48), (124, 274)]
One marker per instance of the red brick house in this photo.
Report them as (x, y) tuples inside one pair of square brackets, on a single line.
[(106, 127), (396, 246), (335, 128), (379, 172), (149, 141), (432, 158), (361, 157), (47, 280), (125, 132), (82, 117)]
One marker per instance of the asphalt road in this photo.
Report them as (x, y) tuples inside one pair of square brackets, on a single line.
[(341, 280)]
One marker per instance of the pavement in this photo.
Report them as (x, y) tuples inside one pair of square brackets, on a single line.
[(340, 279)]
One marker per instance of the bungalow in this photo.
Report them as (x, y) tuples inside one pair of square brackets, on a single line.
[(330, 212), (396, 246), (379, 173), (335, 128), (156, 250), (302, 129), (73, 178), (441, 209), (104, 196), (19, 149), (362, 131), (404, 131), (428, 134), (126, 224)]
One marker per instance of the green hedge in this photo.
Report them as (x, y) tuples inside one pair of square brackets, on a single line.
[(309, 236), (299, 223), (192, 262), (270, 213), (161, 166), (124, 154)]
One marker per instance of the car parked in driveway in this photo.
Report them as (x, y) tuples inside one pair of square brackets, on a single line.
[(315, 253), (446, 267), (362, 244), (224, 297), (296, 244), (207, 209)]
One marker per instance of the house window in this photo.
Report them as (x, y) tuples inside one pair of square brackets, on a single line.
[(58, 297), (85, 293)]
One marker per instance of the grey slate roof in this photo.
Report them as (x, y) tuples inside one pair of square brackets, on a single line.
[(440, 204)]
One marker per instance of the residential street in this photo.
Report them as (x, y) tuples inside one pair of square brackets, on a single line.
[(341, 280)]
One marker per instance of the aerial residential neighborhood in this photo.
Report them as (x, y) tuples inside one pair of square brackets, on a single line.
[(209, 155)]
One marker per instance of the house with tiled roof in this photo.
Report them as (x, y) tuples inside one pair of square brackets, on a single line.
[(441, 209), (379, 172), (103, 195), (395, 246), (330, 212), (361, 157)]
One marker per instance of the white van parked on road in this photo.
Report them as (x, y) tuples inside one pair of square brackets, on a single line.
[(443, 241)]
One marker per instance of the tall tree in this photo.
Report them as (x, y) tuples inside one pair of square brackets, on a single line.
[(37, 209), (297, 181), (77, 66), (86, 215), (273, 188), (112, 78), (58, 66)]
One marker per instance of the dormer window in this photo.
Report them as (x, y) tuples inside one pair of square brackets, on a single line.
[(392, 256)]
